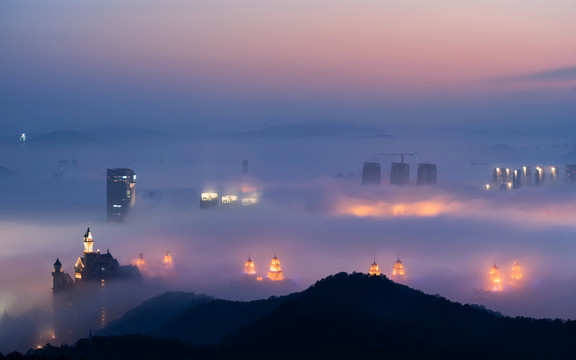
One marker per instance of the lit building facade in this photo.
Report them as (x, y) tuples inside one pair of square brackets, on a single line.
[(208, 200), (526, 176), (398, 271), (275, 273), (249, 269), (539, 176), (554, 174), (374, 269), (517, 179), (494, 279), (120, 193), (516, 275)]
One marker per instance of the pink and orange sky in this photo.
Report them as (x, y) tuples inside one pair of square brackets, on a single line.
[(280, 56)]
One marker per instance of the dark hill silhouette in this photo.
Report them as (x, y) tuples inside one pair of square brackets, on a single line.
[(344, 317), (210, 323), (153, 313)]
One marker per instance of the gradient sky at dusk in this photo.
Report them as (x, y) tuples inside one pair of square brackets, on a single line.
[(467, 85), (204, 65)]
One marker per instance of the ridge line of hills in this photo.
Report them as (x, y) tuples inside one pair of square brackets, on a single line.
[(341, 316)]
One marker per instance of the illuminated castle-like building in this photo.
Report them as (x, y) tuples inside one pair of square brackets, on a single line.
[(398, 270), (516, 274), (275, 273), (91, 266), (249, 269), (374, 269), (494, 280)]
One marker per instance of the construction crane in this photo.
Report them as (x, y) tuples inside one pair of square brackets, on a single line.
[(401, 156)]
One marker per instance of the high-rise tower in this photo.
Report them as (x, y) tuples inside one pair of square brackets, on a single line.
[(120, 193), (426, 174), (371, 173), (400, 173)]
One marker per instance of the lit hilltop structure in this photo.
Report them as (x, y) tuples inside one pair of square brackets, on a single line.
[(398, 272), (374, 269), (494, 280), (516, 275), (275, 273)]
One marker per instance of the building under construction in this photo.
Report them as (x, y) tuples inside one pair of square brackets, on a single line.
[(400, 173), (371, 173), (426, 174)]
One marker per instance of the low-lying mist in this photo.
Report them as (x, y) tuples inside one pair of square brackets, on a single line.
[(311, 212)]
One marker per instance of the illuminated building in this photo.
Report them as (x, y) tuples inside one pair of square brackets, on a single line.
[(249, 269), (23, 137), (526, 176), (275, 273), (229, 199), (516, 179), (120, 193), (61, 281), (538, 176), (400, 173), (426, 174), (554, 173), (248, 201), (571, 173), (94, 266), (83, 299), (398, 270), (167, 262), (516, 274), (494, 281), (208, 199), (141, 262), (374, 270), (371, 173)]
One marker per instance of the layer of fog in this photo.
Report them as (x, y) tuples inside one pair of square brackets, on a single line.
[(303, 216)]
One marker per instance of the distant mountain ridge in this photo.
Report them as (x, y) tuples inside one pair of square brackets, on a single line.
[(308, 130)]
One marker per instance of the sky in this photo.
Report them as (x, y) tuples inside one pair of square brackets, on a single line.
[(183, 91), (204, 66)]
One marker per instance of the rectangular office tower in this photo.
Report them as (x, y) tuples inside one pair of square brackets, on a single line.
[(426, 174), (371, 173), (539, 176), (571, 173), (526, 176), (120, 193), (400, 174), (517, 179)]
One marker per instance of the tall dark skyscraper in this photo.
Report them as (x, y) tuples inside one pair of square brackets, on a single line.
[(400, 174), (120, 193), (426, 174), (371, 173), (516, 179), (526, 176), (539, 176)]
